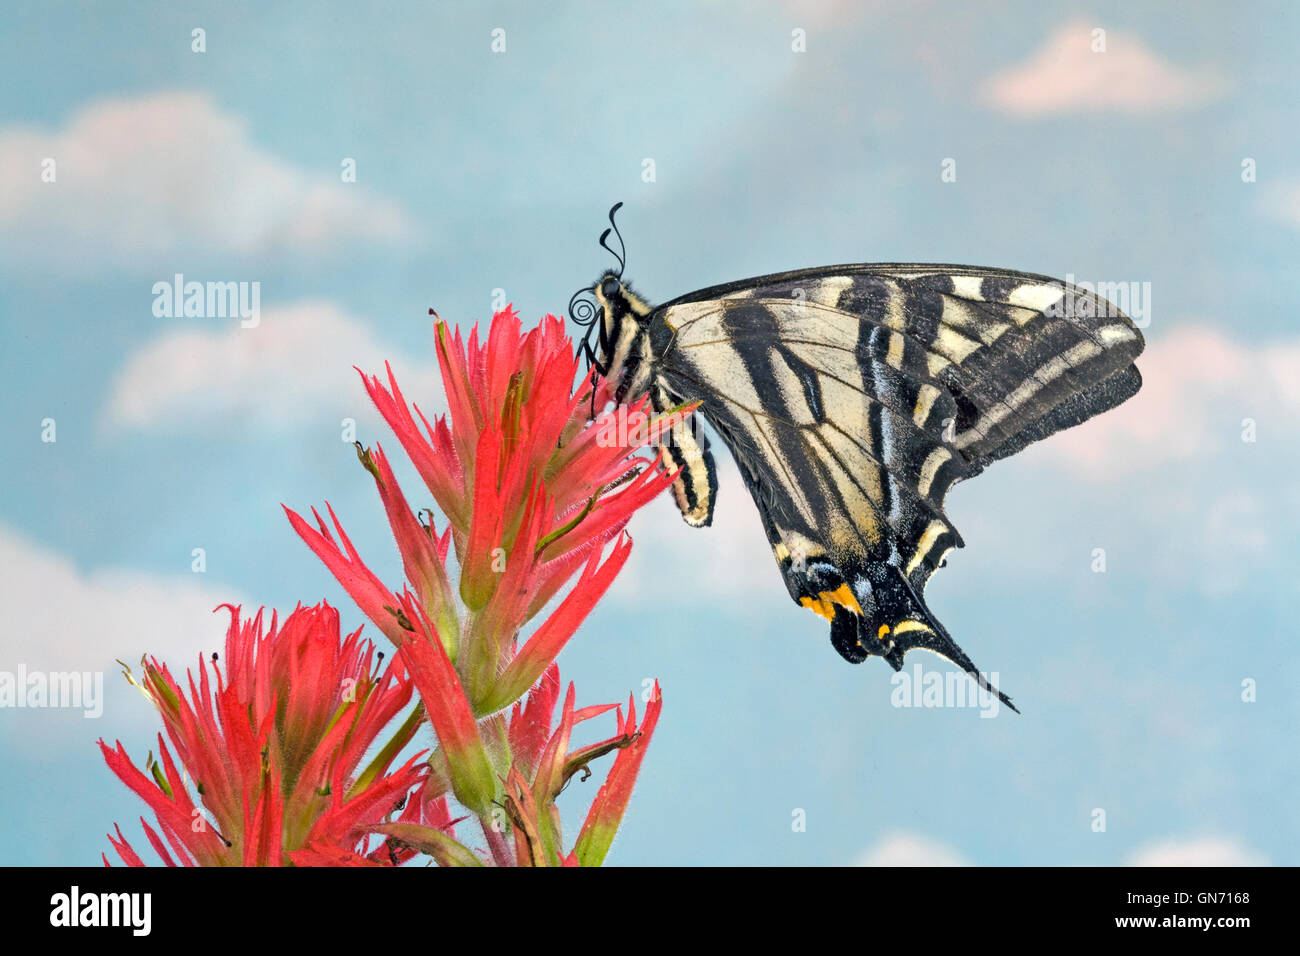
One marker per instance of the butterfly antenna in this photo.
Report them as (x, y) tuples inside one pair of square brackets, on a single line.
[(584, 312), (621, 256)]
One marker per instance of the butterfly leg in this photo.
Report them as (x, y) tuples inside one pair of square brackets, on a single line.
[(597, 370)]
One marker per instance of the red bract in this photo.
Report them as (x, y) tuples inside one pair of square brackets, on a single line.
[(425, 811), (449, 709), (611, 802), (543, 765), (274, 751)]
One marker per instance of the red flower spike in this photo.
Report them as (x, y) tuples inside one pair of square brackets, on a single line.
[(274, 749), (525, 486)]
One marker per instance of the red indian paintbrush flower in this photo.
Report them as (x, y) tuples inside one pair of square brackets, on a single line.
[(267, 766), (268, 763), (532, 496)]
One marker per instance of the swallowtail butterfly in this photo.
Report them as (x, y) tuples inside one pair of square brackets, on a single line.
[(852, 398)]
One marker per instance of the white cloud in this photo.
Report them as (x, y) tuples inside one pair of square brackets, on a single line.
[(1198, 851), (910, 849), (1198, 386), (142, 181), (296, 365), (55, 617), (1066, 76)]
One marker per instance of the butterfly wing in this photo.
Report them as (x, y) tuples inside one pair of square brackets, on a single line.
[(853, 397)]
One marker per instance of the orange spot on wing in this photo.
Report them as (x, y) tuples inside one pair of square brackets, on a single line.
[(819, 606), (843, 596), (825, 604)]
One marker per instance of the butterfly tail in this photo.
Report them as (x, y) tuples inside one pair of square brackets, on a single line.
[(940, 642), (857, 637)]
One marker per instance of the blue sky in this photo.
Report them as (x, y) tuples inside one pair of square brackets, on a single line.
[(1169, 158)]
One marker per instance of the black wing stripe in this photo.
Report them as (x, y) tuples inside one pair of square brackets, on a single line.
[(768, 463), (912, 336), (1064, 319), (916, 351), (907, 472)]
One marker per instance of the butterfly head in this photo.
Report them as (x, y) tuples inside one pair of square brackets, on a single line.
[(617, 302)]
